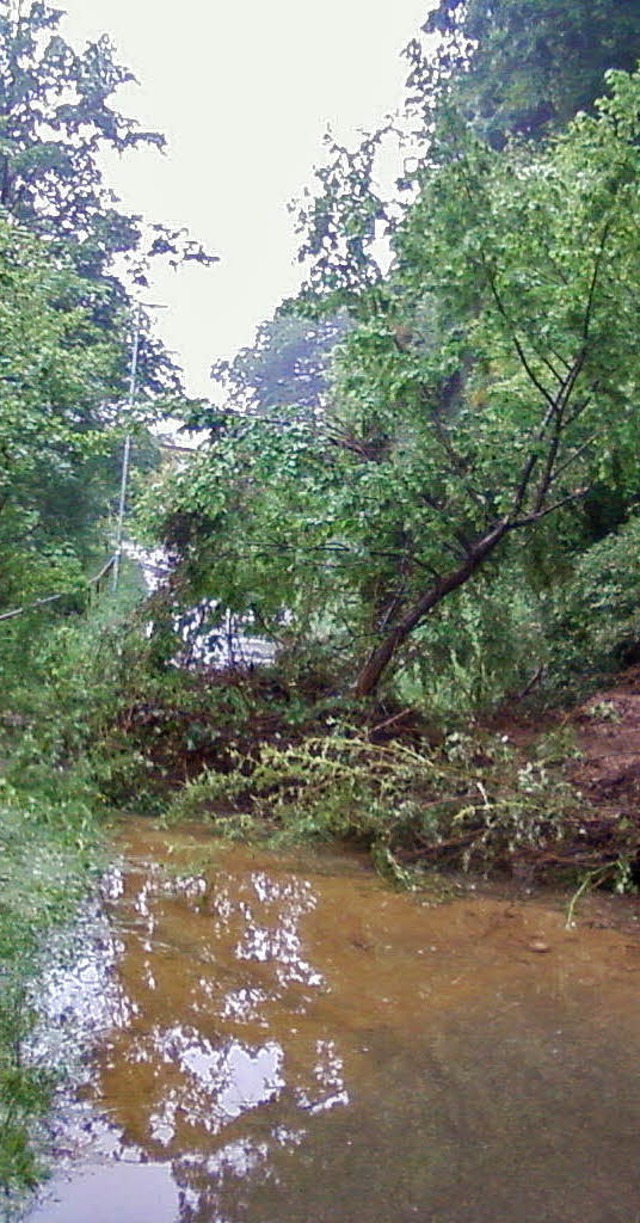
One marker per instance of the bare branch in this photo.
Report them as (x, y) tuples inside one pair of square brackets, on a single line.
[(558, 357), (553, 416), (574, 457), (558, 420), (522, 485), (577, 495), (524, 361), (551, 367), (578, 410), (458, 463), (588, 314)]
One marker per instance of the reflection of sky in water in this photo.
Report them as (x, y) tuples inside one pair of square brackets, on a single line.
[(79, 995), (245, 1004), (284, 903), (176, 1085), (122, 1193), (328, 1072), (218, 1083)]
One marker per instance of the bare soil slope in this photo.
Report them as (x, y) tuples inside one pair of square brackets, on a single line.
[(608, 730)]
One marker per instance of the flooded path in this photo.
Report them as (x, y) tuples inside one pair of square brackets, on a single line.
[(288, 1041)]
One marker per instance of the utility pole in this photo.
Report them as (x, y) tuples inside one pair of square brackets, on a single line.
[(124, 480), (131, 399)]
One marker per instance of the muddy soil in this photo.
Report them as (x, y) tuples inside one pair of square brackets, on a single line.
[(602, 762), (608, 731)]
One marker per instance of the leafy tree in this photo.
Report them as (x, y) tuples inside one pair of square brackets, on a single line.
[(514, 68), (55, 112), (341, 223), (595, 616), (67, 317), (56, 368), (505, 400)]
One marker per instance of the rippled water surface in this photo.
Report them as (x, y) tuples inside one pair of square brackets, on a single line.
[(289, 1041)]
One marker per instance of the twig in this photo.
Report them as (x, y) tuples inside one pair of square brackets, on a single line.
[(389, 721), (589, 879), (530, 685)]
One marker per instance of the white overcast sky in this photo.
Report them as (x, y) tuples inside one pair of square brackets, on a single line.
[(244, 92)]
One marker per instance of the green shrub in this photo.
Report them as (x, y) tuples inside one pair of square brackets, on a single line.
[(481, 644), (595, 616)]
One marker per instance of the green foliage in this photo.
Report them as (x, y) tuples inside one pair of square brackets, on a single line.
[(65, 317), (521, 66), (65, 346), (340, 224), (55, 444), (155, 728), (48, 846), (595, 616), (57, 697), (557, 746), (495, 389), (271, 572), (57, 115), (484, 644), (603, 711)]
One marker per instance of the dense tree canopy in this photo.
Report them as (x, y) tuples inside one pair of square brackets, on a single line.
[(70, 261), (524, 66)]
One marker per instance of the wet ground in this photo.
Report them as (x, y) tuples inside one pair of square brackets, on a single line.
[(288, 1041)]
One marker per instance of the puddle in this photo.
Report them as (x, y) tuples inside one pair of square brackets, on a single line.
[(288, 1041)]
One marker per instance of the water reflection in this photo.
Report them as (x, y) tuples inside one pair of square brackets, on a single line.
[(196, 984), (216, 1084), (296, 1045)]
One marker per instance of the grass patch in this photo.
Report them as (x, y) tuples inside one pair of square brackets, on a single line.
[(48, 848)]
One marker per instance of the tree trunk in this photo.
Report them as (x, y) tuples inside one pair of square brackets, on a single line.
[(380, 657)]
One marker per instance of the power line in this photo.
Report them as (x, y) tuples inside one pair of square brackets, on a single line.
[(94, 581)]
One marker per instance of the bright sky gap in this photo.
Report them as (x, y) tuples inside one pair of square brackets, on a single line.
[(244, 95)]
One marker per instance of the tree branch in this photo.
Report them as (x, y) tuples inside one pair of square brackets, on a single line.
[(594, 279), (538, 515), (524, 361)]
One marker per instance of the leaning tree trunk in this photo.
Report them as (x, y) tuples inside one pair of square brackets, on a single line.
[(380, 657)]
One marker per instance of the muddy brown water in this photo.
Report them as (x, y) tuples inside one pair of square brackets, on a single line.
[(287, 1040)]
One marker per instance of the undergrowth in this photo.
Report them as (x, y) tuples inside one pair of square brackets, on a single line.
[(99, 717), (50, 809)]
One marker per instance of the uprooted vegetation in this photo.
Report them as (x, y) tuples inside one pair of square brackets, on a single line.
[(441, 516), (474, 802)]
